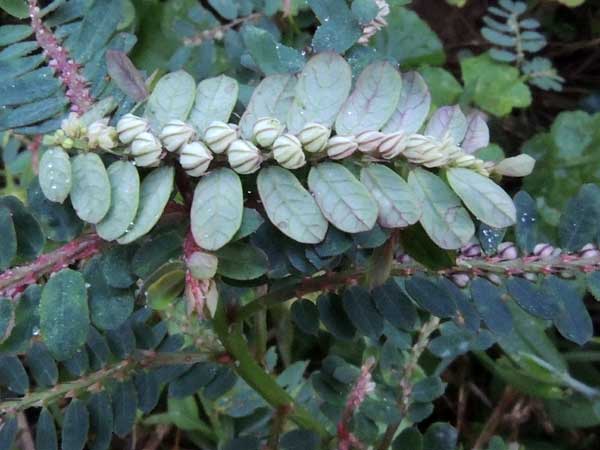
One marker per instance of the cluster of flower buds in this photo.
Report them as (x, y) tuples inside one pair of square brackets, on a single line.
[(371, 28), (74, 133)]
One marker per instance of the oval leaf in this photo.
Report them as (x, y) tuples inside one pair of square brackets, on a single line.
[(55, 174), (447, 120), (217, 209), (483, 197), (413, 106), (478, 133), (290, 207), (271, 98), (64, 315), (240, 261), (75, 426), (490, 305), (154, 195), (344, 201), (362, 312), (445, 221), (398, 205), (90, 193), (125, 198), (172, 98), (215, 99), (322, 88), (373, 100)]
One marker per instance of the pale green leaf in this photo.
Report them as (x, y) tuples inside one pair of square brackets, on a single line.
[(217, 209), (90, 192), (154, 195), (215, 99), (125, 198), (445, 221), (447, 120), (344, 201), (398, 205), (172, 98), (289, 206), (373, 100), (484, 198), (322, 88), (55, 174), (413, 106)]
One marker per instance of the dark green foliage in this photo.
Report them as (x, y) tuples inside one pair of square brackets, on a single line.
[(124, 404), (75, 428), (305, 315), (45, 433)]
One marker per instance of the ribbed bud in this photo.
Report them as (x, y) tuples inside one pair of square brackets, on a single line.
[(195, 158), (219, 136), (314, 137), (589, 251), (393, 145), (471, 250), (425, 150), (72, 126), (202, 265), (507, 250), (244, 157), (368, 141), (266, 130), (176, 134), (287, 151), (101, 135), (340, 147), (129, 127), (146, 149), (543, 250)]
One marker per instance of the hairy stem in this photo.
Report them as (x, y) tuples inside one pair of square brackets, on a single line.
[(218, 32)]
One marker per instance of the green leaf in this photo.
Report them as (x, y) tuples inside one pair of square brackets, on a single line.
[(531, 298), (306, 316), (271, 56), (124, 403), (99, 24), (125, 75), (579, 220), (413, 106), (30, 238), (444, 219), (154, 195), (16, 8), (125, 198), (172, 98), (14, 33), (335, 319), (215, 100), (241, 261), (484, 198), (394, 305), (431, 296), (496, 87), (322, 88), (41, 365), (525, 225), (193, 380), (447, 120), (428, 389), (408, 39), (184, 413), (45, 432), (362, 312), (155, 252), (147, 389), (91, 190), (397, 204), (490, 305), (8, 243), (13, 375), (440, 436), (164, 287), (339, 30), (573, 320), (251, 221), (593, 284), (271, 98), (408, 438), (300, 439), (226, 8), (373, 101), (8, 433), (55, 174), (64, 316), (75, 427), (444, 88), (289, 206), (7, 318), (217, 209), (101, 421), (570, 132), (344, 201)]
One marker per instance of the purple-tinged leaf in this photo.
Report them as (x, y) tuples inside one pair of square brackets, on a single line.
[(413, 107), (478, 133), (125, 75), (448, 120)]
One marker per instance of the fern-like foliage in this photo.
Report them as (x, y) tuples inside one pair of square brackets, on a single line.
[(516, 40), (35, 91)]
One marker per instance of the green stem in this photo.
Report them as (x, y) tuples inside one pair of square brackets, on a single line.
[(249, 370)]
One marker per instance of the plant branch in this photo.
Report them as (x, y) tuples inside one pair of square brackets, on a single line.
[(218, 32)]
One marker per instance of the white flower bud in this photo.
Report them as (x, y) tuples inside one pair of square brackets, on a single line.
[(129, 127), (146, 149), (202, 265), (517, 166), (393, 145), (314, 137), (195, 158), (176, 134), (219, 136), (266, 130), (368, 141), (73, 126), (340, 147), (244, 157), (543, 250), (287, 151), (507, 250), (101, 135)]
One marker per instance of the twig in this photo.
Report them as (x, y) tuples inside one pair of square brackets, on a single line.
[(218, 32), (157, 437), (495, 419)]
